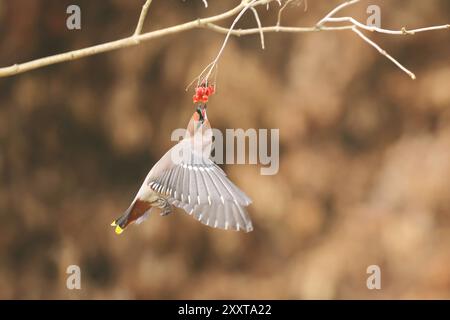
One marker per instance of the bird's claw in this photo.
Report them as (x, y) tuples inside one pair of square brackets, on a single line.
[(166, 211)]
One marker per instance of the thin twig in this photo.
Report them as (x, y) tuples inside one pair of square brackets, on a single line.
[(336, 10), (383, 52), (142, 17), (251, 31), (358, 25), (238, 17), (280, 12), (258, 22)]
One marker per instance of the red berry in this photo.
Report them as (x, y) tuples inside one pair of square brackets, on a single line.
[(202, 93)]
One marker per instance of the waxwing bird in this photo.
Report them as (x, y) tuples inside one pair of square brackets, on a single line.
[(186, 177)]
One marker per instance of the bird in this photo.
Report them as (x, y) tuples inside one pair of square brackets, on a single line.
[(185, 177)]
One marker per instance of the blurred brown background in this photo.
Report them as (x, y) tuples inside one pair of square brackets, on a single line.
[(364, 155)]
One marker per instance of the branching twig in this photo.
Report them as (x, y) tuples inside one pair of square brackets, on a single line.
[(258, 22), (383, 52), (357, 25), (354, 26), (210, 23), (336, 10), (114, 45)]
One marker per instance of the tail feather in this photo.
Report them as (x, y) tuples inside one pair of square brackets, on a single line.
[(135, 212)]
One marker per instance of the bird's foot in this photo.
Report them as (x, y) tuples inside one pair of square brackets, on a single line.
[(165, 206)]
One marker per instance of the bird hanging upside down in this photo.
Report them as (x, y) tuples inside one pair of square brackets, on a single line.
[(186, 177)]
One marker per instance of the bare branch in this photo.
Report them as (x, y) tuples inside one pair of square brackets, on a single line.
[(403, 31), (114, 45), (210, 23), (251, 31)]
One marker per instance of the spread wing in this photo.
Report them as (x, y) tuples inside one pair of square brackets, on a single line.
[(202, 189)]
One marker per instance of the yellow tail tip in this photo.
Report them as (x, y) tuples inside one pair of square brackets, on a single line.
[(118, 230), (113, 224)]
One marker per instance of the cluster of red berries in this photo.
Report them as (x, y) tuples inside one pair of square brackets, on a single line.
[(202, 94)]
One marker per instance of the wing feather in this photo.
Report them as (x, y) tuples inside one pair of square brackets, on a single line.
[(201, 188)]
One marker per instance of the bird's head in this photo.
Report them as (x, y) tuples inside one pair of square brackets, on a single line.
[(200, 114), (199, 119), (199, 123)]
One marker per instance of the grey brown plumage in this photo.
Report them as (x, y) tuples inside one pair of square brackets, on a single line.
[(192, 182)]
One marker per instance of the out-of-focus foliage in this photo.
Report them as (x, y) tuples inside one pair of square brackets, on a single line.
[(364, 170)]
